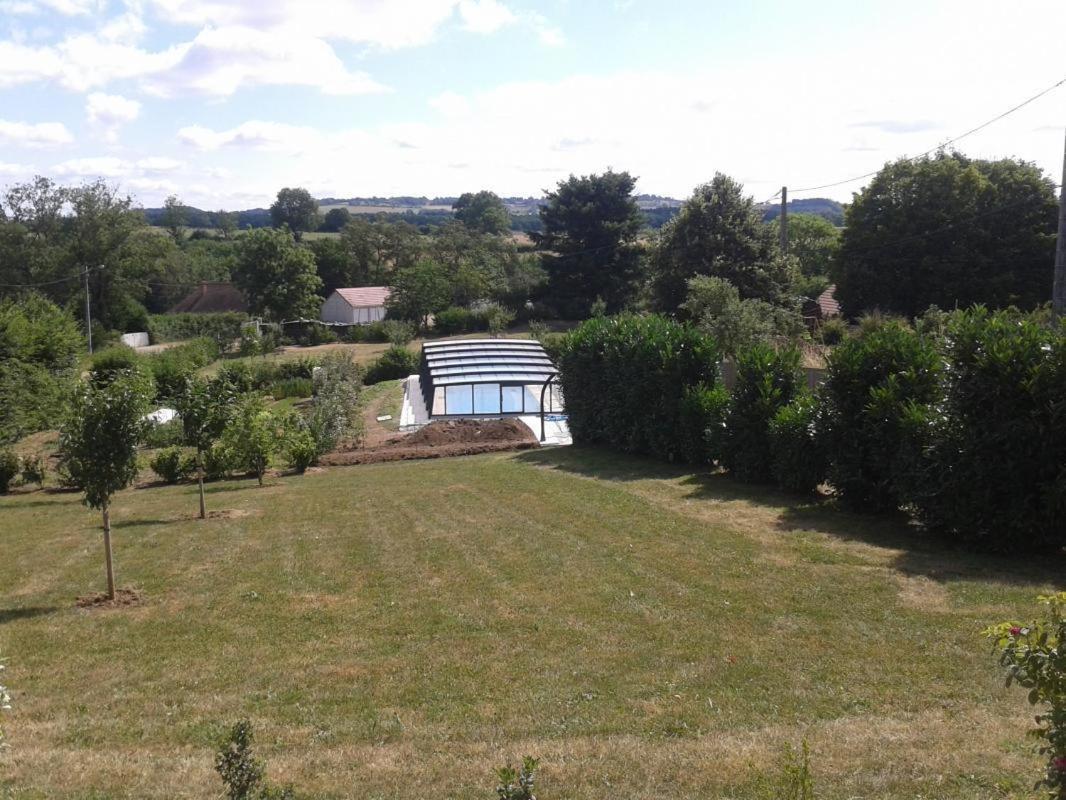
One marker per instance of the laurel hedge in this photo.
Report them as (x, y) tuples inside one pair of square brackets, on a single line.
[(625, 380)]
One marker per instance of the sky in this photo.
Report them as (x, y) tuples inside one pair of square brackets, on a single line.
[(223, 103)]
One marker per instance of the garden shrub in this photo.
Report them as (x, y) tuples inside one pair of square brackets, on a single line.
[(517, 784), (218, 462), (301, 450), (375, 332), (833, 331), (223, 328), (1034, 656), (333, 415), (32, 469), (497, 318), (453, 320), (291, 387), (244, 775), (162, 434), (398, 332), (394, 363), (239, 375), (105, 364), (172, 367), (624, 379), (995, 472), (798, 459), (35, 396), (170, 464), (252, 436), (873, 382), (701, 419), (9, 468), (767, 380)]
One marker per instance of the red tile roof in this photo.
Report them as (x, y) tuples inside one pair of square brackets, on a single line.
[(828, 304), (365, 296), (210, 298)]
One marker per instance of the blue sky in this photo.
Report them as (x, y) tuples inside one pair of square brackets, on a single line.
[(223, 103)]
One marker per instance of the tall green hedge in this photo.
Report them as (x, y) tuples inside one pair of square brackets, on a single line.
[(994, 473), (223, 327), (767, 380), (874, 382), (625, 380)]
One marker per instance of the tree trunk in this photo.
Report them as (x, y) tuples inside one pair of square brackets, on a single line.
[(107, 552), (200, 480)]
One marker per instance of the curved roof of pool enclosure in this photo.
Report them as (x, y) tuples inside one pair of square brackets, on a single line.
[(486, 377)]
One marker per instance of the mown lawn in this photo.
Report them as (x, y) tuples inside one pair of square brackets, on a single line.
[(398, 630)]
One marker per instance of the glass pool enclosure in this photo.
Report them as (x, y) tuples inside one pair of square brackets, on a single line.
[(488, 378)]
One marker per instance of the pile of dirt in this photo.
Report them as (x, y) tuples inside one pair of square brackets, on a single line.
[(123, 597), (463, 431), (461, 437)]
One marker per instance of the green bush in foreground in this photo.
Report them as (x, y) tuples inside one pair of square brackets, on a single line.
[(798, 460), (1034, 656), (242, 773), (874, 381), (767, 380), (394, 363), (517, 784), (994, 472), (701, 419), (625, 377)]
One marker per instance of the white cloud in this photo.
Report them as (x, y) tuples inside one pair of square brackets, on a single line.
[(111, 109), (157, 164), (485, 16), (16, 170), (96, 167), (40, 134), (450, 104), (219, 61), (252, 135)]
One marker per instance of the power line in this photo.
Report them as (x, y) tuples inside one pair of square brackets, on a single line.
[(79, 276), (940, 146)]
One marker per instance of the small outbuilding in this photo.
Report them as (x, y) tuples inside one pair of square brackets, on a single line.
[(488, 378), (356, 306)]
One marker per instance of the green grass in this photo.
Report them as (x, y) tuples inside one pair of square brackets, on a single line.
[(399, 630)]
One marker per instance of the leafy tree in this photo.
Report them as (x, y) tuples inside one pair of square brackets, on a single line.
[(719, 232), (813, 241), (476, 263), (98, 445), (252, 435), (948, 231), (714, 304), (335, 220), (276, 275), (174, 217), (297, 209), (483, 212), (226, 222), (589, 241), (204, 408), (419, 291), (333, 264), (378, 248)]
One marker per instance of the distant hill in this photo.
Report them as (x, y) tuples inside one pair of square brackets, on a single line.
[(819, 206), (419, 211)]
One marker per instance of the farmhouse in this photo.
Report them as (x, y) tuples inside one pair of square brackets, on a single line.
[(488, 378), (356, 306)]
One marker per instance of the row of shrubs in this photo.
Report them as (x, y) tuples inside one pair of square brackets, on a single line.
[(26, 469), (963, 426), (168, 368), (490, 317), (223, 328)]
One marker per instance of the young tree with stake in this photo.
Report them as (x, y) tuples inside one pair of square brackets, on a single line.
[(205, 409), (99, 444)]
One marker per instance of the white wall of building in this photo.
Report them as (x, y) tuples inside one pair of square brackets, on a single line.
[(336, 309)]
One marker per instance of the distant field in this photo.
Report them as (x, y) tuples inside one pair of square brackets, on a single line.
[(399, 630), (382, 209)]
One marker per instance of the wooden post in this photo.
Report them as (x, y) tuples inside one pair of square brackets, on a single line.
[(107, 552), (1058, 291), (200, 480)]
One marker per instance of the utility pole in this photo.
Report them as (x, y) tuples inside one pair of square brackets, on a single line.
[(1058, 291), (784, 220), (88, 313)]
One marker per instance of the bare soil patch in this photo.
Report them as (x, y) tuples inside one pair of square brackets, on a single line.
[(460, 437), (123, 597)]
